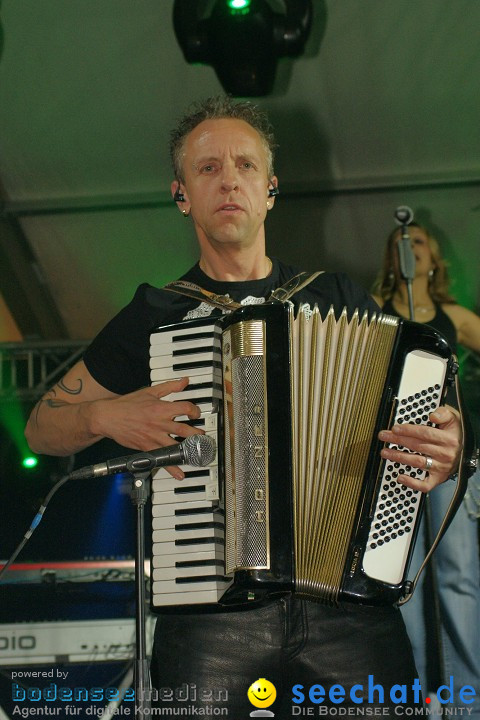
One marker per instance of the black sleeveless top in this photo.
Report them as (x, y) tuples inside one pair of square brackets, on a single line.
[(440, 322)]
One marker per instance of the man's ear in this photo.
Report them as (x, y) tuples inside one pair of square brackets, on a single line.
[(273, 191)]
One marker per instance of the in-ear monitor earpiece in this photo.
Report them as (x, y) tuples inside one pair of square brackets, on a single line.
[(178, 196)]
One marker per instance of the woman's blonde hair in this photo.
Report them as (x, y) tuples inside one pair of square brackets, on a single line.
[(389, 278)]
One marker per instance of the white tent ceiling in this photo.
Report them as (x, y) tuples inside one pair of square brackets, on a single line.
[(382, 109)]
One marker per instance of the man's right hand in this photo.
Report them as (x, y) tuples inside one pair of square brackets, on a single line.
[(78, 411), (144, 420)]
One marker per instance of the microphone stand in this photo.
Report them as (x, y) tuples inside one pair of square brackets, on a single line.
[(407, 266), (407, 271), (139, 495)]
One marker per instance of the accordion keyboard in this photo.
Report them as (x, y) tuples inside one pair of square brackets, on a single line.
[(188, 515)]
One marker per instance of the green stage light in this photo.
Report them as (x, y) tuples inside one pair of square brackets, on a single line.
[(30, 462), (238, 4)]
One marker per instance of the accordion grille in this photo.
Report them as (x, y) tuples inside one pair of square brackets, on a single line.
[(247, 539)]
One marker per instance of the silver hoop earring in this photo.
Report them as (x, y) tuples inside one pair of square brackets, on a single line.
[(431, 273)]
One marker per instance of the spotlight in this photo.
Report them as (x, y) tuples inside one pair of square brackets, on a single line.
[(30, 461), (242, 39)]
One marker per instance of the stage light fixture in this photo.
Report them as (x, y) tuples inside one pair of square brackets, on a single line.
[(239, 5), (242, 39)]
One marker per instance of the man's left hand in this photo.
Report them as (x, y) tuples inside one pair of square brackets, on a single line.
[(435, 449)]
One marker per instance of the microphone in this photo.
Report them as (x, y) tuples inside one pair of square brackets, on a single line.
[(403, 215), (197, 450), (406, 258)]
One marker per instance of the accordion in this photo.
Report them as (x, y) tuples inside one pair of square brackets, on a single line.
[(298, 499)]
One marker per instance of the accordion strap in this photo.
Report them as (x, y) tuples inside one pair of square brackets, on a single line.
[(225, 302), (292, 286)]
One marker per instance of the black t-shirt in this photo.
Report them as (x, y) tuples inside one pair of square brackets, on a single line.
[(118, 358)]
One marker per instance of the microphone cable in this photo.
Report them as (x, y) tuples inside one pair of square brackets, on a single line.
[(34, 524)]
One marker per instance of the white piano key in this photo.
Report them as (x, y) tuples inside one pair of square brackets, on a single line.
[(192, 393), (167, 361), (211, 423), (201, 596), (187, 348), (183, 332), (163, 522), (207, 422), (193, 476), (164, 560), (204, 408), (199, 534), (209, 493), (171, 499), (158, 349), (162, 481), (165, 374), (162, 509), (170, 548), (185, 572), (170, 586), (195, 506)]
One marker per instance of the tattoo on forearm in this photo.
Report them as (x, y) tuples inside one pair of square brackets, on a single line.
[(52, 401), (71, 391)]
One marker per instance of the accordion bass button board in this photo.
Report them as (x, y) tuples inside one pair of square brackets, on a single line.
[(397, 506)]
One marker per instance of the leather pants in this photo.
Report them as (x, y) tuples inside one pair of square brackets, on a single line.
[(202, 658)]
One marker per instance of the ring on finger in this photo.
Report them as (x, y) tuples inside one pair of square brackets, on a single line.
[(428, 462)]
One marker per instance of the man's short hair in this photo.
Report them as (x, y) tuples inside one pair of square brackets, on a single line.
[(217, 108)]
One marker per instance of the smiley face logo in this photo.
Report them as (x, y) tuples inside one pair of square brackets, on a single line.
[(262, 693)]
